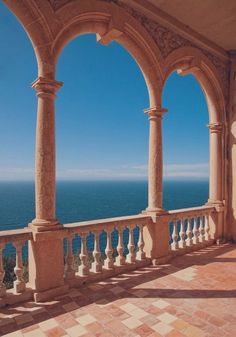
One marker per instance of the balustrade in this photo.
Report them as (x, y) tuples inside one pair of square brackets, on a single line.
[(111, 249), (194, 227), (112, 245)]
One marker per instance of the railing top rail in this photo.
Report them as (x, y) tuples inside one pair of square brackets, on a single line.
[(118, 221), (192, 211), (13, 235)]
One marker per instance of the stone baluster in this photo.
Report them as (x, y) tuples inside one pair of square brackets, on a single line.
[(19, 284), (189, 241), (84, 268), (175, 245), (120, 259), (130, 258), (109, 262), (141, 254), (207, 228), (201, 230), (182, 243), (70, 272), (2, 273), (195, 232), (96, 265)]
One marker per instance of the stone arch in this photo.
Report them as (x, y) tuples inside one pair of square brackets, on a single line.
[(111, 22), (188, 60), (37, 22)]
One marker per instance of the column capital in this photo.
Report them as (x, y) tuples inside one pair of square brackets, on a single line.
[(216, 127), (155, 111), (46, 86)]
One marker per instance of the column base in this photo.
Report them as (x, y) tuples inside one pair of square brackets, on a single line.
[(211, 202), (154, 212), (40, 225), (44, 296)]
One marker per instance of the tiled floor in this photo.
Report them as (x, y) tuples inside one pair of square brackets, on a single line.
[(194, 296)]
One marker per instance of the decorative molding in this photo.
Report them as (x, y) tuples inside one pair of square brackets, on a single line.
[(57, 4)]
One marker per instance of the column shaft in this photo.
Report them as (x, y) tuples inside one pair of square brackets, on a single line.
[(155, 164), (216, 151), (45, 152)]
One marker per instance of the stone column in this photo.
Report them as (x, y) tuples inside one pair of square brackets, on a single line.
[(155, 164), (45, 154), (46, 258), (216, 162)]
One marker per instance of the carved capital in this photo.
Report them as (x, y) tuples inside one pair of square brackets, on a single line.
[(46, 87), (155, 112), (216, 127)]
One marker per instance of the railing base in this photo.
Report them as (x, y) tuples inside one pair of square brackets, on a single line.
[(193, 248), (106, 273), (162, 260), (46, 295), (12, 298)]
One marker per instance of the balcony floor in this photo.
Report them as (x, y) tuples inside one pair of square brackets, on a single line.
[(193, 296)]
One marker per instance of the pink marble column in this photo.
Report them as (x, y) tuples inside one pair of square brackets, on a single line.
[(216, 163), (155, 165), (45, 154)]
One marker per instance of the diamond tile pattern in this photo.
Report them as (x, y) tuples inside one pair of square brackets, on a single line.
[(194, 296)]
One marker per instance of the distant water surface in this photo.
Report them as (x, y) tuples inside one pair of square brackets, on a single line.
[(77, 201)]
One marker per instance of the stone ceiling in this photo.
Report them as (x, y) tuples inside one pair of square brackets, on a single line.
[(214, 19)]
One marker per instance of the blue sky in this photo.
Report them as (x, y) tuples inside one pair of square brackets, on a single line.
[(102, 132)]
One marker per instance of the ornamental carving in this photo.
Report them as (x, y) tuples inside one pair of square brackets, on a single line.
[(56, 4), (168, 41)]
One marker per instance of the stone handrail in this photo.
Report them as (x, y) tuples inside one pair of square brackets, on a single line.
[(10, 236), (190, 212), (101, 223)]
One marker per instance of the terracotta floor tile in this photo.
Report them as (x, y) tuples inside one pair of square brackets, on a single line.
[(36, 333), (162, 328), (55, 332), (143, 330), (132, 322)]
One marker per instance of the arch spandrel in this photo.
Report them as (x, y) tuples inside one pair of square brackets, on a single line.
[(189, 60)]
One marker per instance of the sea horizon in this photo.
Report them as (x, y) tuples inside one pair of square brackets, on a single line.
[(81, 200)]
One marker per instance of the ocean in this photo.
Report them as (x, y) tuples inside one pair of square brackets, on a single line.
[(90, 200)]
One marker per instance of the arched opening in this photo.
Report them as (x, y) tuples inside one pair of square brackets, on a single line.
[(191, 61), (18, 69), (102, 132), (185, 143)]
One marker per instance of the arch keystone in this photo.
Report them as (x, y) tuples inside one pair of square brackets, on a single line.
[(189, 67), (114, 31)]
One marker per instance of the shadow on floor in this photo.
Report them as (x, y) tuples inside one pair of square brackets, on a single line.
[(124, 286)]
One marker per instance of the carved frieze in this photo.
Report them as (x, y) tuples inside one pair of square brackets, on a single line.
[(168, 40)]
